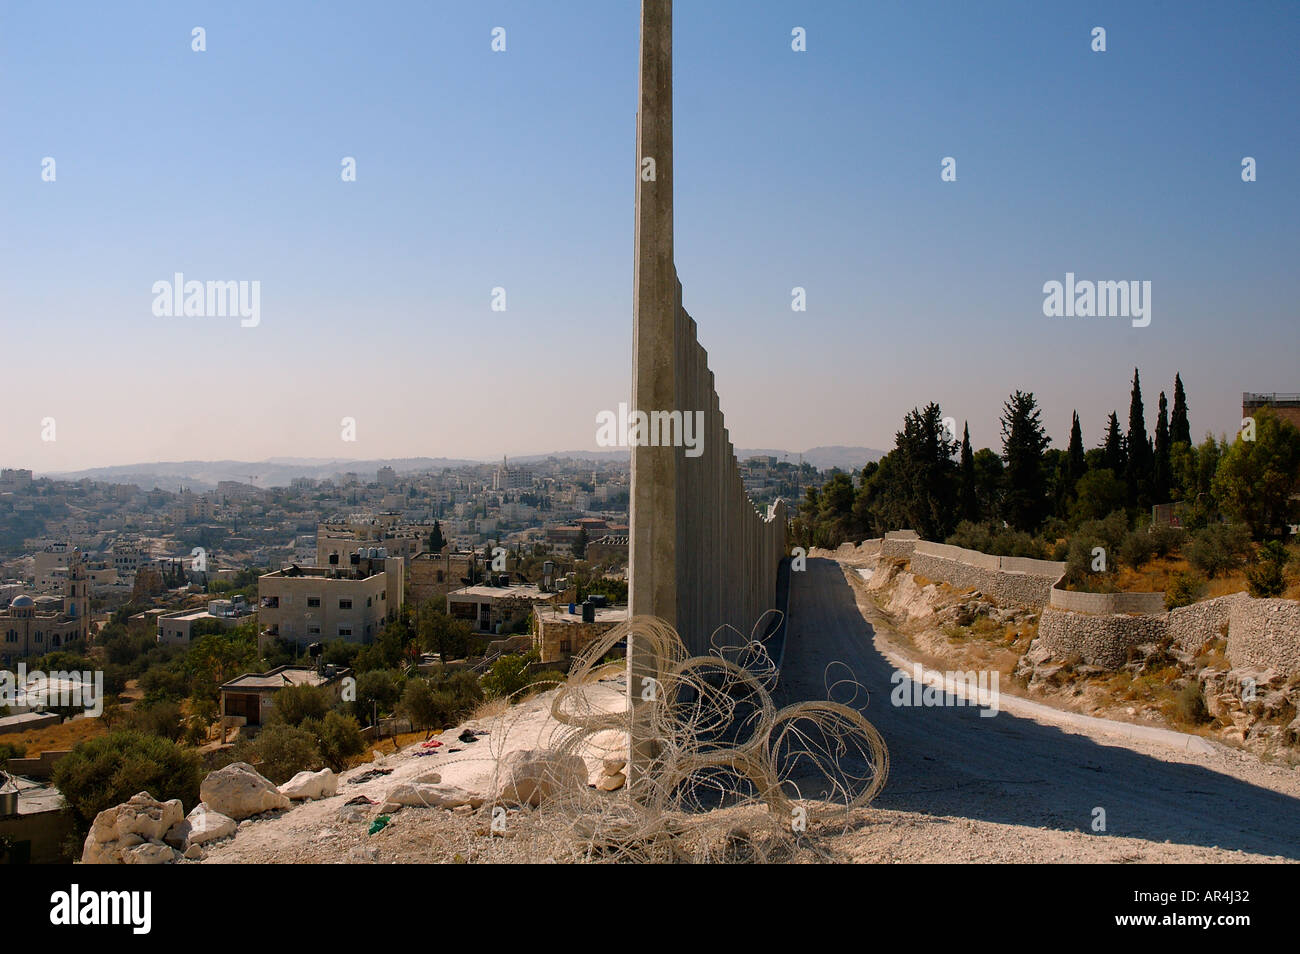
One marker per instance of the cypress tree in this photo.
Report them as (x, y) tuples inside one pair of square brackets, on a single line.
[(969, 498), (1115, 457), (1140, 463), (1179, 427), (1163, 470)]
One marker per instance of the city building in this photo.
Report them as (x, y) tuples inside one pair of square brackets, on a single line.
[(335, 542), (434, 575), (496, 609), (33, 627), (1286, 406), (350, 601), (559, 635), (250, 698), (177, 628)]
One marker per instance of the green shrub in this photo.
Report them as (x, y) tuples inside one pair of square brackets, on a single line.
[(281, 751), (107, 770), (1266, 576), (1137, 549), (162, 719), (295, 704), (1167, 540), (1219, 548), (1184, 589), (508, 675), (338, 737)]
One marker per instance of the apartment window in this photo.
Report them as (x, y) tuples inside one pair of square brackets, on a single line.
[(313, 630), (39, 637), (345, 630), (440, 576), (11, 636), (56, 641), (566, 645), (334, 559), (369, 602), (345, 604), (313, 601)]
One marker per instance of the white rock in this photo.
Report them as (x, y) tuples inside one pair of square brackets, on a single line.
[(199, 827), (421, 795), (311, 785), (139, 820), (532, 776), (239, 792), (150, 853)]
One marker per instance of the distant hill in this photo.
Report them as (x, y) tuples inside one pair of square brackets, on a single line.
[(823, 458), (201, 475)]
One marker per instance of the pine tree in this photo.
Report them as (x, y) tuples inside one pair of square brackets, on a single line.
[(1162, 472), (1137, 475), (1179, 427), (968, 497)]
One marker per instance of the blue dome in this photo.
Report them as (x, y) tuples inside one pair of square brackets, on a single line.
[(22, 601)]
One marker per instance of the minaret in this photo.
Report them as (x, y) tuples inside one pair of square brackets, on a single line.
[(76, 602)]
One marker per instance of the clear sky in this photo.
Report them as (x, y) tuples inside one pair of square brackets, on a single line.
[(478, 169)]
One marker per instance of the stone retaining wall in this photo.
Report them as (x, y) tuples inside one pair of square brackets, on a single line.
[(1099, 640), (1265, 634), (1191, 627), (1007, 579)]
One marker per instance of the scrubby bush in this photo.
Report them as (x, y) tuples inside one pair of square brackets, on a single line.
[(1108, 534), (1167, 540), (338, 737), (1137, 549), (163, 719), (295, 704), (281, 751), (1219, 548), (1266, 576), (508, 675), (1189, 705), (1184, 589), (107, 770)]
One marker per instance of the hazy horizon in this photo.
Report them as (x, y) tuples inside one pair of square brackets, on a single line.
[(479, 169)]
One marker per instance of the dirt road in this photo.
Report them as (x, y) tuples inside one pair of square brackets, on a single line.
[(1011, 777)]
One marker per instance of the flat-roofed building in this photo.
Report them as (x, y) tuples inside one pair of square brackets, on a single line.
[(352, 602), (250, 698), (494, 609), (1286, 406)]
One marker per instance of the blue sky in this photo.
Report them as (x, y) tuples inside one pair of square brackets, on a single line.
[(478, 169)]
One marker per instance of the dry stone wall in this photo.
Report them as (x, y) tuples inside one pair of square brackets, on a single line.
[(1265, 634)]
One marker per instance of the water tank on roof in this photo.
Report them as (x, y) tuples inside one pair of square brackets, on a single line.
[(372, 553), (383, 553), (588, 611)]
